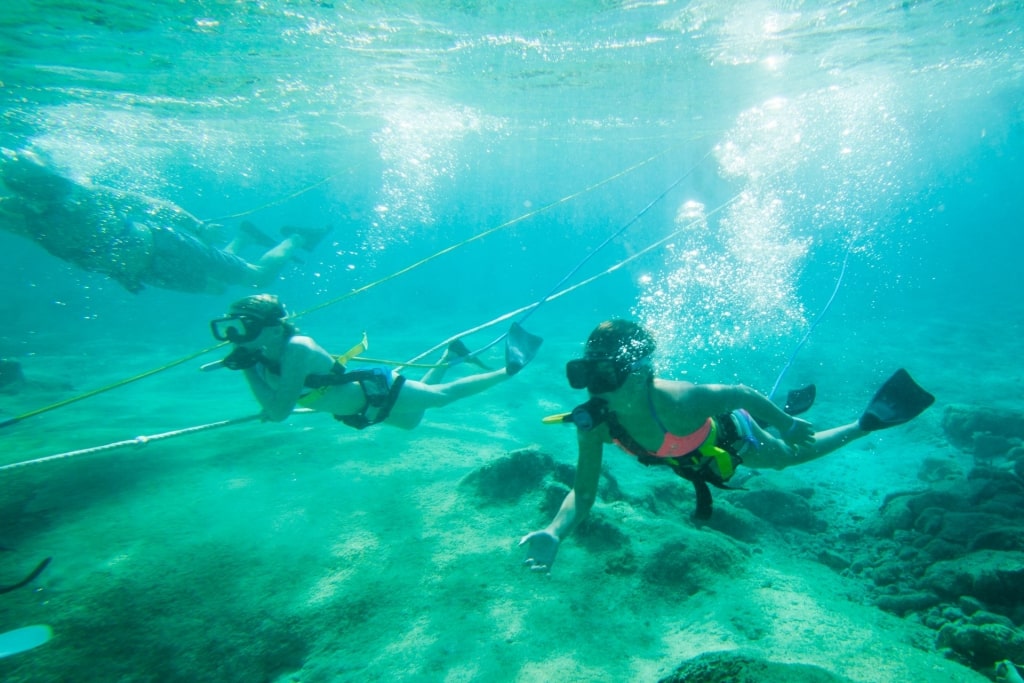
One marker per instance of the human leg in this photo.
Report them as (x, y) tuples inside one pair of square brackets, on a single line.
[(457, 352), (249, 236), (899, 400), (417, 397), (771, 452), (436, 374), (275, 259)]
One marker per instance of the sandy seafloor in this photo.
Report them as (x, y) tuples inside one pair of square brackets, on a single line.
[(308, 552)]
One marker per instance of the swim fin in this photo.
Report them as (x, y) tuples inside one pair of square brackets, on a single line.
[(22, 639), (520, 348), (899, 400), (256, 236), (459, 349), (310, 236), (797, 401), (800, 400)]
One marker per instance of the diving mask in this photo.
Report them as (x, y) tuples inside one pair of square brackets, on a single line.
[(238, 329), (601, 375)]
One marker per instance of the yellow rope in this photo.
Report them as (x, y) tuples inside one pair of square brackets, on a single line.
[(568, 290), (276, 202), (109, 387), (359, 290), (479, 236)]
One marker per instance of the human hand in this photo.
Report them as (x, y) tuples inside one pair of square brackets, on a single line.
[(799, 434), (241, 358), (543, 547)]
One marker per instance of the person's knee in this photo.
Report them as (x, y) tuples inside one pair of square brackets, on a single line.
[(766, 464), (773, 454), (406, 422)]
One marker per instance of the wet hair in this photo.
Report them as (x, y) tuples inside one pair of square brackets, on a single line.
[(266, 308), (622, 341)]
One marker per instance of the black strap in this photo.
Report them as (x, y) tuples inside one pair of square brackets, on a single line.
[(704, 500), (596, 411), (28, 579), (698, 476), (336, 375), (385, 409), (383, 402)]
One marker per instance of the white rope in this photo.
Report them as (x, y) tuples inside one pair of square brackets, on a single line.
[(140, 441)]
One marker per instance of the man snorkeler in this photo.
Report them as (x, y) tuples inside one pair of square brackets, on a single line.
[(135, 240)]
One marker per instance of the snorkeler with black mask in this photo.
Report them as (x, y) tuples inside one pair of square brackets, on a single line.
[(702, 432), (285, 369)]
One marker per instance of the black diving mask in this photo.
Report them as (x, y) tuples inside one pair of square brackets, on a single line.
[(237, 329), (598, 375)]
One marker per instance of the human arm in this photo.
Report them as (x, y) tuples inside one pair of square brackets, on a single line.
[(260, 387), (278, 395), (543, 544)]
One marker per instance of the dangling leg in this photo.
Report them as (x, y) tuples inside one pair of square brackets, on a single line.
[(275, 259), (417, 397), (457, 352), (443, 394), (899, 400), (248, 236), (771, 452), (436, 374)]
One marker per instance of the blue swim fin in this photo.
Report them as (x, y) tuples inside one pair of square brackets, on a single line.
[(463, 355), (900, 400), (21, 639), (800, 400), (520, 348)]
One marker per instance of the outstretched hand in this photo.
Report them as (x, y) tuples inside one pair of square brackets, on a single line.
[(800, 434), (541, 551)]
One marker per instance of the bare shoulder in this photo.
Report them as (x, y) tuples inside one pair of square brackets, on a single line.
[(683, 406), (312, 357), (708, 392), (673, 391), (305, 343)]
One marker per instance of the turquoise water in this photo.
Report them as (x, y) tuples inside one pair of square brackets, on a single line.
[(752, 148)]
